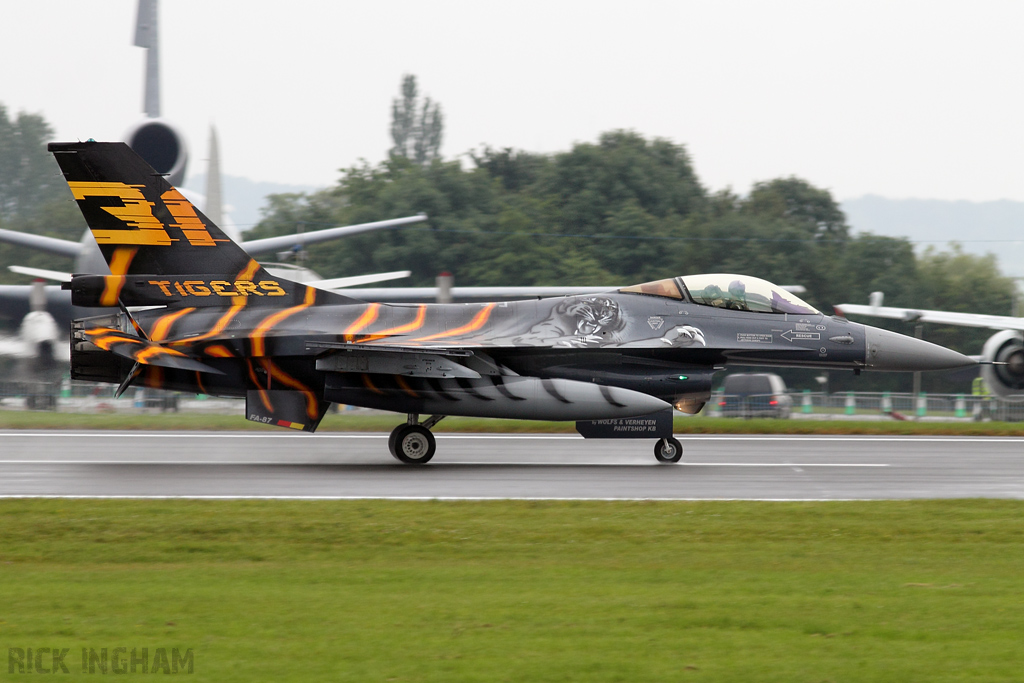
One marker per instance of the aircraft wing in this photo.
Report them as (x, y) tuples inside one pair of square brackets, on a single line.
[(270, 245), (42, 273), (356, 280), (994, 322), (51, 245)]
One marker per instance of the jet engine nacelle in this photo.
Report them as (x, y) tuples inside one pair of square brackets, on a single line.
[(1006, 379), (162, 146)]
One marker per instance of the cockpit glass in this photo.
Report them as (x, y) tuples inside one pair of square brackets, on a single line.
[(667, 288), (743, 293)]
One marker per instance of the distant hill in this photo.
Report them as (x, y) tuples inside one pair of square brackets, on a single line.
[(243, 198), (980, 227)]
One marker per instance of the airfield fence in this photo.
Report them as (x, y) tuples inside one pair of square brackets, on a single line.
[(69, 396), (866, 405)]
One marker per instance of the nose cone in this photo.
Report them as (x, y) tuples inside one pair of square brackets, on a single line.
[(897, 352)]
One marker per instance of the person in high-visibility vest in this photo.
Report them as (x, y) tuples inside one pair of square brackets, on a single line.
[(980, 392)]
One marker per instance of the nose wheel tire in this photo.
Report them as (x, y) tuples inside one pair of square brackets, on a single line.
[(668, 450), (412, 444)]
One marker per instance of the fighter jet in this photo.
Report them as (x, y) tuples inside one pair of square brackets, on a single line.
[(214, 321)]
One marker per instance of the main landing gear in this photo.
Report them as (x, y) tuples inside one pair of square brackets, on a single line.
[(668, 450), (412, 443)]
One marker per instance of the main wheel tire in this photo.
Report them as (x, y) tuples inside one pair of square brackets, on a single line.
[(392, 439), (668, 450), (414, 445)]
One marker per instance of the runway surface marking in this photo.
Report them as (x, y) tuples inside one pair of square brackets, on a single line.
[(519, 463), (383, 435), (441, 498)]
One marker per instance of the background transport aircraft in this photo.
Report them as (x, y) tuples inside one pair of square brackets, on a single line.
[(1002, 355), (38, 337), (216, 322), (162, 145)]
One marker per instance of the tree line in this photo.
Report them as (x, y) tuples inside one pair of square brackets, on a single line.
[(33, 195), (619, 211)]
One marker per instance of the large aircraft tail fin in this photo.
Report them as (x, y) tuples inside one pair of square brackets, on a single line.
[(159, 247)]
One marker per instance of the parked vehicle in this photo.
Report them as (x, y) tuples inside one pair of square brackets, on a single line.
[(761, 394)]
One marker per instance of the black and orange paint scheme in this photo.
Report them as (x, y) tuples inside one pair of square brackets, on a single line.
[(191, 311)]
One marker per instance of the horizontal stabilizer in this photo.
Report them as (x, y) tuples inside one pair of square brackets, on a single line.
[(143, 351)]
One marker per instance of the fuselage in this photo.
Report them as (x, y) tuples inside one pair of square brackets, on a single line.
[(659, 347), (563, 355)]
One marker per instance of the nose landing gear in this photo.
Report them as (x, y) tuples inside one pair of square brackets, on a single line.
[(412, 443), (668, 450)]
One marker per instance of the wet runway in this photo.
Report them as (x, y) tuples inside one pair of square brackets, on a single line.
[(257, 464)]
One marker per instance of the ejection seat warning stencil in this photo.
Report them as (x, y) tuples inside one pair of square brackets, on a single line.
[(656, 425), (791, 335)]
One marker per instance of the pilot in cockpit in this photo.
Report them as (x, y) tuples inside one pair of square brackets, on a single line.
[(738, 296)]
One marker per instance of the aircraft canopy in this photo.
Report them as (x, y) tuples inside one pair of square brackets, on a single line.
[(744, 293)]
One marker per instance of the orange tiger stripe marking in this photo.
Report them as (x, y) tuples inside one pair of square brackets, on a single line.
[(292, 383), (122, 259), (478, 321), (163, 324), (257, 336), (154, 376), (106, 343), (153, 351), (238, 303), (364, 320), (112, 286), (218, 351), (264, 397), (417, 323), (249, 271), (405, 387), (369, 385)]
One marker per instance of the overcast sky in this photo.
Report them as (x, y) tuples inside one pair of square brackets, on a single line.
[(901, 99)]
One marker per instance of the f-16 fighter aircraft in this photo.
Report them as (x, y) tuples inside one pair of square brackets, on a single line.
[(216, 322)]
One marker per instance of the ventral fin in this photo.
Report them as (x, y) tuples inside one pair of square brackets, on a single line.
[(299, 410)]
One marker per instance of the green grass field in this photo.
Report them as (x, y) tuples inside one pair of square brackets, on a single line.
[(11, 419), (524, 591)]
